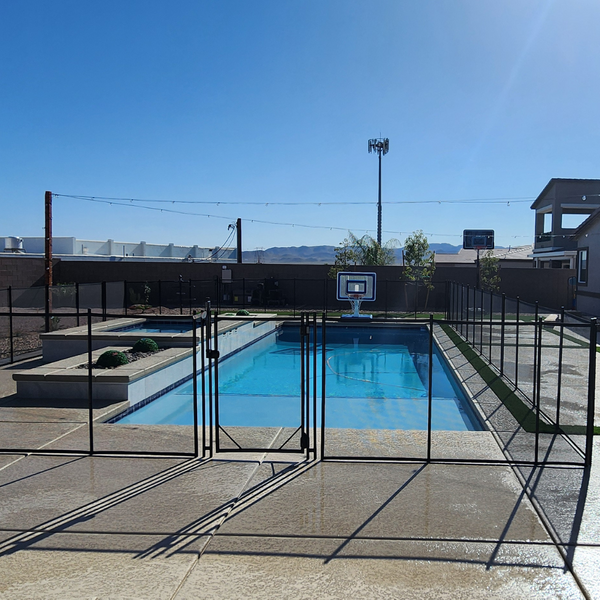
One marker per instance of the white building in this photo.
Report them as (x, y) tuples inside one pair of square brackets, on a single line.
[(70, 248)]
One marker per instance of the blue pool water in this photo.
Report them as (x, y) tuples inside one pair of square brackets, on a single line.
[(157, 327), (374, 380)]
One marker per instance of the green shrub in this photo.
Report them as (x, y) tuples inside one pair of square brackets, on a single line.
[(111, 359), (242, 313), (145, 345)]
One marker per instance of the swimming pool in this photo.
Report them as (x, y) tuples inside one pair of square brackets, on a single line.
[(376, 378), (155, 326)]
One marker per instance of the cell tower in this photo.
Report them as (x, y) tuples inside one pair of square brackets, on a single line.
[(381, 146)]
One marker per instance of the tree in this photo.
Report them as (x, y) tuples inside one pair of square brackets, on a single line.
[(489, 279), (362, 251), (419, 262)]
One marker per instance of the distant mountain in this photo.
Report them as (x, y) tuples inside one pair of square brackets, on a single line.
[(445, 248), (319, 255)]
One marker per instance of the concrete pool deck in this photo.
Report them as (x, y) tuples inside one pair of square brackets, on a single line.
[(265, 525)]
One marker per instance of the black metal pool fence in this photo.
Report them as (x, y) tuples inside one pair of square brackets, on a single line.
[(27, 312), (543, 361), (540, 366)]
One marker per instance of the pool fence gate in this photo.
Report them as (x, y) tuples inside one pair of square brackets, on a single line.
[(539, 364)]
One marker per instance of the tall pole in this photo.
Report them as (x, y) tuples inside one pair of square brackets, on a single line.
[(238, 227), (48, 257), (379, 205), (48, 237), (381, 146)]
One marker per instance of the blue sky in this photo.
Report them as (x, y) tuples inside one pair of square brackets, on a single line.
[(255, 104)]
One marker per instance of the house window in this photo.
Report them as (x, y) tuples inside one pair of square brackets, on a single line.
[(573, 221), (582, 266)]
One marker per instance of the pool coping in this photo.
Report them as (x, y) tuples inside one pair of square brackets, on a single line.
[(59, 345), (136, 382)]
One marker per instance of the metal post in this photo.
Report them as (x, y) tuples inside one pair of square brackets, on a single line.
[(307, 388), (211, 424), (462, 309), (560, 359), (462, 302), (243, 292), (429, 388), (491, 324), (467, 314), (77, 302), (502, 333), (481, 297), (203, 380), (535, 365), (474, 317), (104, 300), (538, 389), (10, 325), (180, 295), (195, 383), (323, 373), (125, 297), (302, 380), (589, 438), (90, 384), (159, 297), (517, 343), (314, 448), (216, 367), (190, 294)]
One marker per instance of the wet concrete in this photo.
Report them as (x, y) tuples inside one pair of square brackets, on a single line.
[(258, 525), (267, 526)]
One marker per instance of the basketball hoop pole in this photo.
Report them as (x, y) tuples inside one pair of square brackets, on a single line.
[(478, 239)]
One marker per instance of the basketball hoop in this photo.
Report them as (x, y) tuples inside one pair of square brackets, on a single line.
[(355, 302), (356, 287)]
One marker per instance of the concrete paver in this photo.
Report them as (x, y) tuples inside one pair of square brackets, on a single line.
[(220, 577), (262, 525), (63, 575)]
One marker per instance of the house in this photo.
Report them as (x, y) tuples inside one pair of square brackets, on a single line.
[(560, 209), (513, 257), (587, 237)]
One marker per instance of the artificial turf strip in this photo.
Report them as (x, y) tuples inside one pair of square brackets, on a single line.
[(522, 414)]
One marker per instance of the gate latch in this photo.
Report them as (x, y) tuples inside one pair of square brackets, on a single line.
[(304, 441), (212, 354)]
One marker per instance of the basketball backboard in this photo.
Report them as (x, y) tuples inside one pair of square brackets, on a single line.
[(351, 285), (482, 239)]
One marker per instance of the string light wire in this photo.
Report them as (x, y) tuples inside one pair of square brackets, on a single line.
[(135, 203)]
